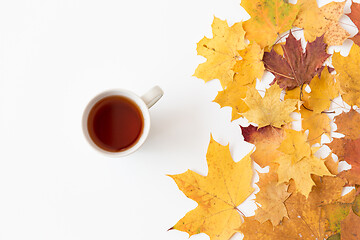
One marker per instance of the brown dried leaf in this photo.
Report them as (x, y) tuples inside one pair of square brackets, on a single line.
[(271, 197)]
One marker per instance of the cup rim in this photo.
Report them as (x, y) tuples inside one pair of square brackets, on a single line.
[(130, 95)]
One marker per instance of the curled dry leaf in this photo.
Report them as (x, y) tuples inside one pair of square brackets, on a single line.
[(331, 165), (218, 194), (221, 52)]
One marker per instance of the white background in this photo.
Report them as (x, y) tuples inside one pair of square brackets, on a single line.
[(55, 55)]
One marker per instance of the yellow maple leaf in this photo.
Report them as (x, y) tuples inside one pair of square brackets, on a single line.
[(349, 75), (295, 146), (317, 124), (251, 66), (271, 197), (269, 18), (247, 70), (269, 110), (233, 96), (318, 21), (218, 194), (221, 52), (323, 91), (298, 162)]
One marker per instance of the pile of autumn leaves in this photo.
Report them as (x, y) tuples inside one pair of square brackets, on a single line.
[(301, 195)]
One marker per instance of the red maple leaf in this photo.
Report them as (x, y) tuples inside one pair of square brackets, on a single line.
[(296, 67)]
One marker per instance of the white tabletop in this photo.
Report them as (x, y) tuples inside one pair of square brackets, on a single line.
[(55, 55)]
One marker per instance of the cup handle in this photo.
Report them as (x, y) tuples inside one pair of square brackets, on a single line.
[(152, 96)]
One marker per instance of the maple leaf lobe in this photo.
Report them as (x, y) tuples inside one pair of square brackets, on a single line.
[(221, 52)]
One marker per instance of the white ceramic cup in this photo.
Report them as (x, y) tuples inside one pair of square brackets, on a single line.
[(144, 103)]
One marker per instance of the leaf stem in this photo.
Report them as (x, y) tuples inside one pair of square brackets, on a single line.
[(286, 34), (301, 94), (280, 74), (351, 25), (239, 211)]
